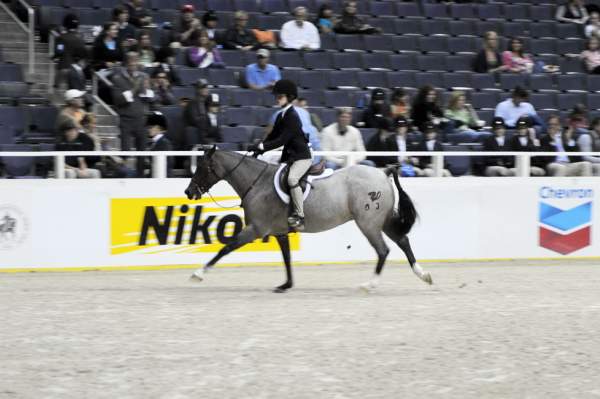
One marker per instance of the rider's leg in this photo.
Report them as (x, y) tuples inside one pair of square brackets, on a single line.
[(297, 170)]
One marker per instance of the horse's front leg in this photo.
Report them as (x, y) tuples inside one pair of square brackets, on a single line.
[(247, 235), (284, 244)]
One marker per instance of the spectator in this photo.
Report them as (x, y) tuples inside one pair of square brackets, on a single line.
[(342, 136), (238, 36), (515, 107), (166, 61), (210, 21), (73, 109), (156, 125), (591, 55), (209, 130), (138, 14), (557, 141), (161, 86), (351, 23), (72, 139), (300, 34), (497, 165), (188, 24), (107, 50), (429, 142), (462, 115), (315, 120), (525, 141), (591, 142), (425, 109), (262, 75), (325, 19), (379, 142), (76, 78), (127, 32), (574, 11), (515, 59), (400, 104), (195, 113), (578, 119), (69, 48), (145, 50), (131, 95), (593, 27), (203, 53), (399, 142), (488, 59), (378, 108)]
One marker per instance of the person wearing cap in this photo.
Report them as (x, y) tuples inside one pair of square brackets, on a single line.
[(342, 136), (429, 142), (378, 108), (73, 139), (287, 132), (300, 34), (138, 14), (210, 130), (188, 24), (69, 48), (562, 142), (194, 113), (210, 21), (497, 165), (262, 75), (379, 142), (239, 37), (156, 126), (398, 142), (73, 109), (525, 141), (203, 53)]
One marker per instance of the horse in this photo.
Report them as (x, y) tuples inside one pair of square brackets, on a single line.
[(360, 193)]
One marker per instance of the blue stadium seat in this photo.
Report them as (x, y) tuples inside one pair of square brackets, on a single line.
[(42, 119), (571, 65), (387, 25), (462, 28), (246, 5), (408, 10), (236, 58), (12, 123), (435, 27), (183, 92), (240, 116), (220, 5), (489, 11), (288, 59), (263, 115), (433, 44), (435, 11), (338, 98), (401, 79), (328, 115), (238, 134), (379, 8), (18, 167), (542, 29), (457, 80), (378, 43), (572, 82), (79, 3), (191, 75), (318, 60), (462, 45), (543, 12), (593, 83), (514, 29), (301, 3), (431, 63), (403, 62), (343, 78), (459, 63), (367, 134), (571, 46), (566, 101), (541, 81), (567, 30), (462, 11), (484, 99), (13, 90), (376, 61), (106, 3), (593, 101), (408, 26), (243, 98), (458, 165), (543, 46), (316, 80), (516, 12), (509, 81), (290, 74), (274, 6), (406, 44), (372, 79), (482, 81), (429, 78), (222, 77), (313, 97), (271, 22), (346, 60), (349, 42), (542, 101), (10, 73), (483, 26)]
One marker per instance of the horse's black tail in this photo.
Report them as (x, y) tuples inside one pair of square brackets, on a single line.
[(404, 217)]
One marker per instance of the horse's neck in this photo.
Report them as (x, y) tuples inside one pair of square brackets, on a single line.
[(245, 173)]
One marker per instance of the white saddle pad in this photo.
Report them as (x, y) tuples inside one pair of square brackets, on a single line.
[(286, 198)]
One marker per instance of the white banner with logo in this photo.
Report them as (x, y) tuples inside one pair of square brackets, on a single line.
[(132, 223)]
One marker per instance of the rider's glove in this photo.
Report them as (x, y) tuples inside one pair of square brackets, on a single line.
[(257, 148)]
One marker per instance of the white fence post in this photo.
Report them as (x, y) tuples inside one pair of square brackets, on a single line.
[(59, 166), (159, 166), (523, 164), (438, 165)]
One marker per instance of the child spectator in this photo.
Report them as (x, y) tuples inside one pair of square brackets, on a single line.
[(525, 141), (400, 104), (210, 22), (325, 19), (591, 55), (378, 108), (203, 54), (429, 142), (497, 165)]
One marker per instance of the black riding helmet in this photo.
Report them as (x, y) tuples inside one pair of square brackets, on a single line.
[(157, 119), (287, 88)]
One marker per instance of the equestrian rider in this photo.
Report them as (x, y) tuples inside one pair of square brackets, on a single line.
[(287, 132)]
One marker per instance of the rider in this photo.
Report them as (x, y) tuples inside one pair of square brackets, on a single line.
[(287, 132)]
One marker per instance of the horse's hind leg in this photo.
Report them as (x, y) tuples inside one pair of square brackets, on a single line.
[(376, 240), (284, 244), (404, 245), (246, 236)]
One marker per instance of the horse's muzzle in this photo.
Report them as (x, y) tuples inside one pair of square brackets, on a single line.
[(193, 193)]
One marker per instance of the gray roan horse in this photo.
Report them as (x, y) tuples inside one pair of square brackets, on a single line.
[(360, 193)]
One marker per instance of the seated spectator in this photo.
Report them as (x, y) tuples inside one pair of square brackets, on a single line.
[(315, 120), (425, 109), (488, 59), (73, 109), (210, 21), (515, 59), (72, 139), (591, 142), (156, 125), (593, 26), (203, 53), (497, 165), (146, 50), (429, 142), (325, 19), (107, 49), (400, 104), (188, 24), (194, 113), (262, 75), (127, 36), (379, 142), (578, 119), (591, 55), (378, 108), (238, 36), (69, 48), (462, 115), (561, 142), (351, 23), (399, 142), (160, 84), (138, 14), (166, 62), (342, 136), (525, 141), (209, 131), (515, 107), (573, 11), (300, 34)]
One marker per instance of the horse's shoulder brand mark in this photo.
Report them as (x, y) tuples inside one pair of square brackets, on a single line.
[(13, 227), (375, 195)]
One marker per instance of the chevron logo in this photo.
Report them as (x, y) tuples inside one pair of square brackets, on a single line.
[(565, 219)]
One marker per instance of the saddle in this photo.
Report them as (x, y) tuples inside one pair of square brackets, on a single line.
[(314, 170)]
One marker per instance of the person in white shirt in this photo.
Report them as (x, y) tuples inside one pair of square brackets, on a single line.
[(515, 107), (300, 34), (591, 142), (593, 26), (342, 136)]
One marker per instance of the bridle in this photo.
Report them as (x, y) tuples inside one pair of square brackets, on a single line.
[(204, 188)]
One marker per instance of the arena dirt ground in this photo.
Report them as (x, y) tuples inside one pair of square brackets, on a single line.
[(483, 330)]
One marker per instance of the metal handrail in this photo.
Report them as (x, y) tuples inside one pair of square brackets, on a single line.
[(30, 30), (52, 35), (97, 100), (159, 158)]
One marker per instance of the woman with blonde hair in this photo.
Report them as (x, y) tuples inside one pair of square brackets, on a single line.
[(462, 115)]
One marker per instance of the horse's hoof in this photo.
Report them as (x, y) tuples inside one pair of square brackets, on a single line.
[(197, 276), (367, 288), (281, 289), (427, 278)]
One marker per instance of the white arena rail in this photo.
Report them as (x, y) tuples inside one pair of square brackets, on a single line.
[(159, 158)]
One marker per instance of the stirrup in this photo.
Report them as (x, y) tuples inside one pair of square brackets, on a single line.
[(296, 222)]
